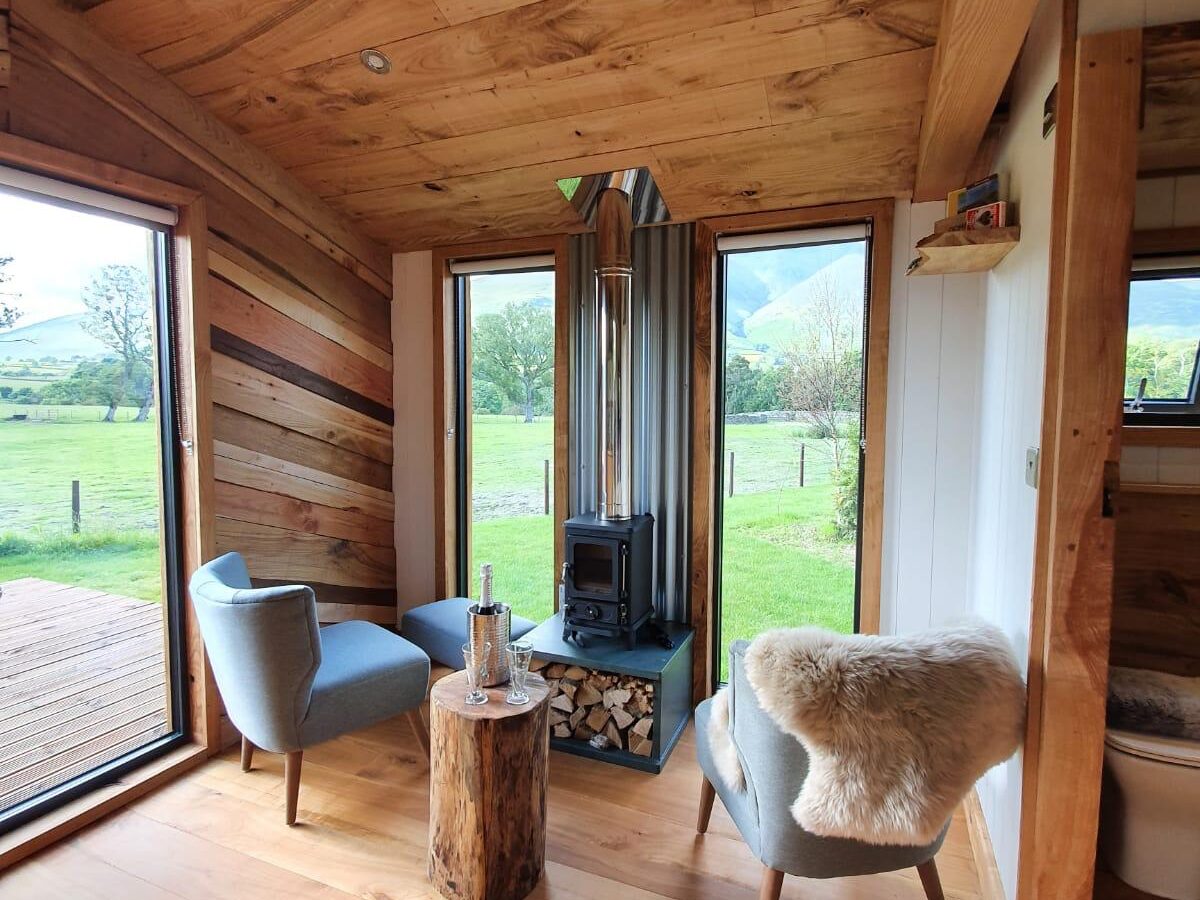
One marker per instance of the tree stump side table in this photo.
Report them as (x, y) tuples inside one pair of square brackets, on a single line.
[(487, 791)]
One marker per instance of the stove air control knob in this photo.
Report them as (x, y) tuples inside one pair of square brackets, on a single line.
[(592, 611)]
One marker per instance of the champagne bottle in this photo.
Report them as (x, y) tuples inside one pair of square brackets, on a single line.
[(487, 606)]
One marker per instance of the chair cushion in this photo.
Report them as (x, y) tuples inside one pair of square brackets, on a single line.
[(440, 629), (367, 674)]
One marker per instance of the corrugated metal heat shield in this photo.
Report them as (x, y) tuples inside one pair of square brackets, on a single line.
[(645, 202)]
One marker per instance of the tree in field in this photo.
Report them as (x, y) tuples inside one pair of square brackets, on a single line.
[(8, 313), (118, 303), (514, 350), (748, 389), (1167, 366), (823, 369)]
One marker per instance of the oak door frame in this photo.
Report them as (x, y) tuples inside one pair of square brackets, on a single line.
[(445, 453), (1079, 473), (880, 215), (193, 365)]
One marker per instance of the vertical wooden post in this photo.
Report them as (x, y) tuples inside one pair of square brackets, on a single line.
[(75, 507), (730, 473), (5, 64), (802, 465), (1068, 665), (546, 487)]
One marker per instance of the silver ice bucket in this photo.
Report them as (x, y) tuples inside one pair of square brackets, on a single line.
[(494, 628)]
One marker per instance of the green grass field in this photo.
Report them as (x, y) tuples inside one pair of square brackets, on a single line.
[(116, 465)]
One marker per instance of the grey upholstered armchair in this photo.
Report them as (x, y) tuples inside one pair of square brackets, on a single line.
[(288, 684), (775, 766)]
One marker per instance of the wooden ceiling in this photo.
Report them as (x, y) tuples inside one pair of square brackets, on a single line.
[(735, 105)]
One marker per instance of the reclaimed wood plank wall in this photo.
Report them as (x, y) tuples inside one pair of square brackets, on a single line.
[(301, 364)]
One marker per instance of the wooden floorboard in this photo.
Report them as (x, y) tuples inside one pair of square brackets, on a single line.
[(614, 834), (82, 682)]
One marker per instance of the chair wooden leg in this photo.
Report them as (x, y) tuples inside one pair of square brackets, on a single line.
[(247, 754), (291, 777), (930, 880), (419, 729), (707, 795), (772, 885)]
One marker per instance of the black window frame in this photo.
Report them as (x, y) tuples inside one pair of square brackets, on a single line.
[(166, 312), (719, 351), (1168, 412)]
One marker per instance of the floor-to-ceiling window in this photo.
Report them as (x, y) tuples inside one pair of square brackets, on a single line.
[(90, 681), (793, 308), (505, 348)]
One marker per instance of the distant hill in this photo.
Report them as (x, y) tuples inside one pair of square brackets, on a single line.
[(1168, 309), (62, 337)]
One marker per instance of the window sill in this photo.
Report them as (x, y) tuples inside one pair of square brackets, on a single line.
[(57, 824), (1160, 435)]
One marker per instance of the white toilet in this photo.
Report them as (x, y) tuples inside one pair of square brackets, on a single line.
[(1150, 818)]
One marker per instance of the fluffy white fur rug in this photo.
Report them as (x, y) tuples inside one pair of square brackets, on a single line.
[(897, 729)]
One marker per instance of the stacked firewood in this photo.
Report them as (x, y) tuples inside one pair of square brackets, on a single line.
[(609, 711)]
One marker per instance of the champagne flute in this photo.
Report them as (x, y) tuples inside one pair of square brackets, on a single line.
[(475, 656), (520, 653)]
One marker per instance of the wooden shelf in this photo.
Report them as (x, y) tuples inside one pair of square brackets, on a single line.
[(954, 252)]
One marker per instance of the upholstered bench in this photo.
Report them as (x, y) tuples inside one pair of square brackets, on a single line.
[(440, 629)]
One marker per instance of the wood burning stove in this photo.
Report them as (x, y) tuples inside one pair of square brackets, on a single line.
[(607, 577)]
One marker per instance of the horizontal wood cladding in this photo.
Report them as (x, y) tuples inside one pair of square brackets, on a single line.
[(241, 386), (249, 433), (262, 507), (1156, 582), (299, 557)]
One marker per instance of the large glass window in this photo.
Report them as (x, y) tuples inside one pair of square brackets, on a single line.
[(89, 648), (1162, 356), (506, 374), (794, 311)]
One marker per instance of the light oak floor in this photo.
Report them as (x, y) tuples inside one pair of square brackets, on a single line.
[(614, 834)]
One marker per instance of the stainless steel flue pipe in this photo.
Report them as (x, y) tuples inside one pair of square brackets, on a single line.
[(614, 311)]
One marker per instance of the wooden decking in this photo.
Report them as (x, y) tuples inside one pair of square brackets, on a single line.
[(82, 682)]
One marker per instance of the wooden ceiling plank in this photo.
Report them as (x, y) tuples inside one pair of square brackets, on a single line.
[(312, 125), (67, 43), (521, 39), (458, 11), (295, 36), (799, 164), (1169, 140), (734, 108), (1171, 52), (977, 47)]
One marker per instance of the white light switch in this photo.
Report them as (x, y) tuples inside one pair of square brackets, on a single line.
[(1032, 459)]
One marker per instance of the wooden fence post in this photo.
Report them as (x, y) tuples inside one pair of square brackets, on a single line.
[(730, 473), (801, 465), (546, 487), (75, 507)]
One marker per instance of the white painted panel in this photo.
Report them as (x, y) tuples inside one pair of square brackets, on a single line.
[(412, 468), (1139, 465)]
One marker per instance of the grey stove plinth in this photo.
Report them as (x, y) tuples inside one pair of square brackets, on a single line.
[(669, 670)]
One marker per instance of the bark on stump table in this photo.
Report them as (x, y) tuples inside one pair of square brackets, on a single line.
[(487, 786)]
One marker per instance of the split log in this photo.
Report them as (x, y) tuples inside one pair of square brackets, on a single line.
[(555, 671), (569, 688), (563, 702), (643, 726), (577, 717), (536, 665), (622, 719), (587, 695), (575, 673), (642, 746), (582, 733), (557, 716), (613, 733), (597, 717), (562, 730), (487, 823)]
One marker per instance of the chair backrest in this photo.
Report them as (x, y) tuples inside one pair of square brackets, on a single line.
[(775, 765), (264, 646)]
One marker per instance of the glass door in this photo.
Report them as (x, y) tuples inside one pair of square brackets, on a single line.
[(505, 349), (90, 673), (793, 311)]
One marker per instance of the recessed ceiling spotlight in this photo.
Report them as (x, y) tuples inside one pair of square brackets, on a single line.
[(376, 61)]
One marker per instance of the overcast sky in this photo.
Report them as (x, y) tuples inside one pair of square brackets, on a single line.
[(55, 252)]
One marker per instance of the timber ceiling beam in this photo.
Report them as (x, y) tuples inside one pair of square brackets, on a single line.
[(976, 49)]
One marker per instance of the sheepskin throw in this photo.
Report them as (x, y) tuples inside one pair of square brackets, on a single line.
[(897, 729), (1154, 702)]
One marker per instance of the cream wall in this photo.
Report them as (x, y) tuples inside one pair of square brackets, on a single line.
[(1112, 15), (413, 440)]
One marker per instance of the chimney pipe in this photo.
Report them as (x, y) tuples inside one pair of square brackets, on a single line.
[(614, 310)]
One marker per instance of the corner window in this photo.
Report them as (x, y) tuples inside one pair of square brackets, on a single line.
[(1162, 357)]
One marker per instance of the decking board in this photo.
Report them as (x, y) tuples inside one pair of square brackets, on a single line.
[(82, 682)]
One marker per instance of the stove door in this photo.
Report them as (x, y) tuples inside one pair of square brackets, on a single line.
[(596, 567)]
